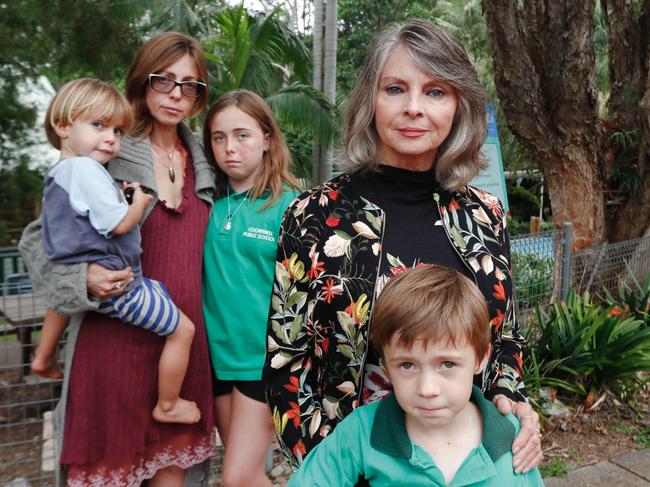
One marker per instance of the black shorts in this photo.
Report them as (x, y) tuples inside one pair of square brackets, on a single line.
[(255, 389)]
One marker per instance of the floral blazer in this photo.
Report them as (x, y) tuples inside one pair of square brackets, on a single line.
[(328, 263)]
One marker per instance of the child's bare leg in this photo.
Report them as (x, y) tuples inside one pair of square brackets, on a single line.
[(44, 363), (171, 372)]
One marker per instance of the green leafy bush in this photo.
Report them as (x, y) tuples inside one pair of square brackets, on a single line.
[(533, 279), (559, 468), (632, 299), (579, 347), (517, 227)]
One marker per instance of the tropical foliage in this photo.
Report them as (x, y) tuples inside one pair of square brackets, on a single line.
[(632, 298), (19, 194), (194, 17), (582, 348), (260, 53)]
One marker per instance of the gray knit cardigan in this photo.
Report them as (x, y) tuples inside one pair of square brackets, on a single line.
[(64, 286)]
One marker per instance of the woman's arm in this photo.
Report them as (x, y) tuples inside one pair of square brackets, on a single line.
[(63, 286), (505, 375), (288, 370), (507, 389)]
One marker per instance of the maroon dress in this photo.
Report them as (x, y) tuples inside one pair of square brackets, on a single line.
[(110, 437)]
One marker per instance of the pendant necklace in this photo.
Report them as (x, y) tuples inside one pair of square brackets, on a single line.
[(228, 224), (172, 157)]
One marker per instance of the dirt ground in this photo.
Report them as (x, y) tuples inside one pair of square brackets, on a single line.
[(582, 437)]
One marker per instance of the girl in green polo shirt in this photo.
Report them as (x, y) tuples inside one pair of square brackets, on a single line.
[(254, 188)]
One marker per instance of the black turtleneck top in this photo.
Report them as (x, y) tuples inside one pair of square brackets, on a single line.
[(413, 235)]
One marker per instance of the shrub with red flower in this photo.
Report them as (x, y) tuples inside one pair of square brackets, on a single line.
[(622, 312)]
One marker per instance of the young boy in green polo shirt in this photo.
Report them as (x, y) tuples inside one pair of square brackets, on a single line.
[(431, 326)]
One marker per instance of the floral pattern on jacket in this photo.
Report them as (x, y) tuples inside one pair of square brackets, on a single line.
[(327, 268)]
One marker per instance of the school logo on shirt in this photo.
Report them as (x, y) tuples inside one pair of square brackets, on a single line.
[(259, 233)]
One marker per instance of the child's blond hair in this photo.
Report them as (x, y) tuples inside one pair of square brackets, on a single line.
[(88, 98), (434, 304)]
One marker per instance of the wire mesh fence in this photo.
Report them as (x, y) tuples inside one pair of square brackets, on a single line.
[(604, 268), (536, 263), (543, 265), (27, 455), (25, 432)]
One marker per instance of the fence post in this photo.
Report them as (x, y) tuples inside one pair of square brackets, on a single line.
[(567, 239)]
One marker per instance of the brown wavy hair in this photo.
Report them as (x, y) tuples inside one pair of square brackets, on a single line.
[(434, 304), (154, 56)]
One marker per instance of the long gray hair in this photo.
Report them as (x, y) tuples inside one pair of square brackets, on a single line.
[(458, 158)]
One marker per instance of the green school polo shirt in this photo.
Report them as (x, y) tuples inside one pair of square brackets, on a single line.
[(373, 443), (238, 266)]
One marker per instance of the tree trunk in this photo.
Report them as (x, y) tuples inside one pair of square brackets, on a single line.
[(597, 171), (329, 78), (629, 113), (318, 80), (545, 77), (293, 15), (624, 62), (574, 188)]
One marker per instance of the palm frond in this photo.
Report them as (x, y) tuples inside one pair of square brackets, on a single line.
[(177, 15), (302, 106)]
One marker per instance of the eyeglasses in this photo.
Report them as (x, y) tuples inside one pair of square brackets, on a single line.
[(163, 84)]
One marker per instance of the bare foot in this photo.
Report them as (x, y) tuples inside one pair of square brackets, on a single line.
[(47, 366), (181, 411)]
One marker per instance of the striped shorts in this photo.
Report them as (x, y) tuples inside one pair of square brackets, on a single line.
[(148, 306)]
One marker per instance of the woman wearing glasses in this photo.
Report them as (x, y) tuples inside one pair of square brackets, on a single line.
[(104, 419)]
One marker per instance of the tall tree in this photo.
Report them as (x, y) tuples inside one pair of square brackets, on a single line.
[(259, 52), (329, 81), (317, 76), (19, 197), (33, 45), (188, 16), (359, 20), (329, 66), (597, 168)]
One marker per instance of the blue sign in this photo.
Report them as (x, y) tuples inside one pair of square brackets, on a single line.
[(491, 116), (492, 178)]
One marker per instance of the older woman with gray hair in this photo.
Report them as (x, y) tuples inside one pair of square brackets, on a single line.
[(414, 128)]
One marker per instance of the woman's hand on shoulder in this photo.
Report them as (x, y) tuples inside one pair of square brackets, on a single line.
[(527, 447), (104, 283)]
